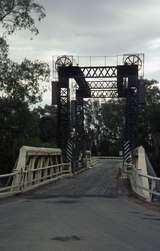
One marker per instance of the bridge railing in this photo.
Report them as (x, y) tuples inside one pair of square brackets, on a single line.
[(145, 186), (154, 184), (22, 181), (35, 167), (7, 187), (36, 177), (142, 184)]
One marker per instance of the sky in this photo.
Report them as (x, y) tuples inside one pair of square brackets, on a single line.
[(94, 28)]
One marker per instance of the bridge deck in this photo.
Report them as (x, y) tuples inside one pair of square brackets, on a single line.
[(81, 213)]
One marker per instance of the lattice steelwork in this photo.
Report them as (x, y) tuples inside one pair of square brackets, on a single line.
[(99, 61), (79, 150), (107, 85), (103, 89), (103, 82), (79, 114), (99, 72), (63, 117), (131, 116), (105, 94)]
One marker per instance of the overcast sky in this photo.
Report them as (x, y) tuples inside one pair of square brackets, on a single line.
[(95, 27)]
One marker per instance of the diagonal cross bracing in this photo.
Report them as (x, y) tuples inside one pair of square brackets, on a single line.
[(99, 72), (102, 84), (104, 94)]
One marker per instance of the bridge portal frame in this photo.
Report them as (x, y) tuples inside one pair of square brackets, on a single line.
[(126, 81)]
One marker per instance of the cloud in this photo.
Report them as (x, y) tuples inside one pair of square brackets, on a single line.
[(154, 44), (104, 27)]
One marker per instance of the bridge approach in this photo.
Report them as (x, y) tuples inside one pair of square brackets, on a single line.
[(90, 211)]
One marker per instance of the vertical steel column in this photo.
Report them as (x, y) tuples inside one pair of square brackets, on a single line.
[(131, 112), (79, 150), (63, 125)]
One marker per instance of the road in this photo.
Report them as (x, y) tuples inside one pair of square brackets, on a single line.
[(82, 213)]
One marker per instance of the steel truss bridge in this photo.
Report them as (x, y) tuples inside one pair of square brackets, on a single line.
[(122, 80)]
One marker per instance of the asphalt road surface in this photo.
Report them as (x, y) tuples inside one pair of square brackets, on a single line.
[(88, 212)]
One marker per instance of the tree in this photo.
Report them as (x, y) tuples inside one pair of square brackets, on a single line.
[(21, 85), (18, 126), (113, 116), (22, 81), (93, 125), (104, 126), (47, 124), (17, 15)]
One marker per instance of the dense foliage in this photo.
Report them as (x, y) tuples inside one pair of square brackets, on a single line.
[(21, 126), (113, 115), (18, 14), (21, 86)]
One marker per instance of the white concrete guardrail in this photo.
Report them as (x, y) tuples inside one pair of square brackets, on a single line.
[(144, 185), (35, 167)]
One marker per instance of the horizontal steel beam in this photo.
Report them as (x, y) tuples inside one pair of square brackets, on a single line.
[(104, 94), (102, 85), (99, 72)]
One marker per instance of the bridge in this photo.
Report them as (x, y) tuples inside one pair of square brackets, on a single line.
[(92, 210), (66, 199)]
